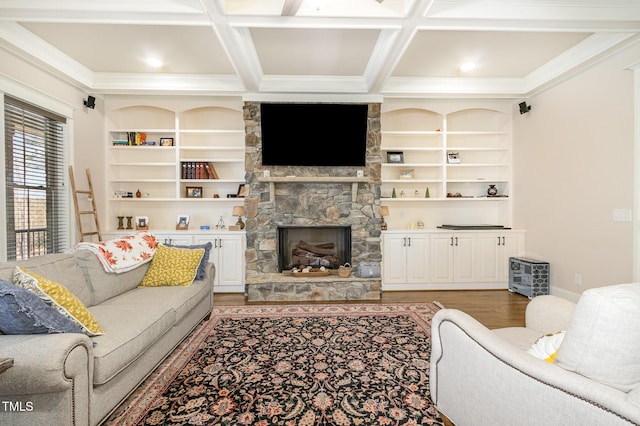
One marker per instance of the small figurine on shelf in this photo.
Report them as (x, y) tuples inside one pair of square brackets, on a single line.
[(393, 193), (221, 224), (426, 194)]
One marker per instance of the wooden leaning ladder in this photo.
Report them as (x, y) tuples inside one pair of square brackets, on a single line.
[(80, 213)]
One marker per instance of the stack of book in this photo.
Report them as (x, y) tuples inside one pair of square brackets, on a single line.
[(198, 170)]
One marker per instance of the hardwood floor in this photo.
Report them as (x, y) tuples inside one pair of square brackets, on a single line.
[(493, 308)]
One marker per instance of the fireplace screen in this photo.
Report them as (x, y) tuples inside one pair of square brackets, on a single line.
[(328, 246)]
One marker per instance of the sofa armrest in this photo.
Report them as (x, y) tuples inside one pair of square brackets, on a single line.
[(45, 363), (549, 314), (478, 378)]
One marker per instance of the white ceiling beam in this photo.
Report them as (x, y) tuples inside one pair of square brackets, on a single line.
[(238, 45)]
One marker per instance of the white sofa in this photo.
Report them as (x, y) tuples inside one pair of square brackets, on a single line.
[(486, 377)]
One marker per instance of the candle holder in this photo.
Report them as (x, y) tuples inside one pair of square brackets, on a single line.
[(129, 222), (120, 222)]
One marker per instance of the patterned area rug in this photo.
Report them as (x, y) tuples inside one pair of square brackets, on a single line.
[(352, 364)]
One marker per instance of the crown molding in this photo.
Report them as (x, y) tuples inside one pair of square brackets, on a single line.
[(25, 44), (313, 84), (200, 84)]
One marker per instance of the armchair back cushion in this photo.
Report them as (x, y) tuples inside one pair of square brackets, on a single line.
[(603, 340)]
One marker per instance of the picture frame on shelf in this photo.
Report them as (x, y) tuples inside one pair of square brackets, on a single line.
[(242, 190), (407, 174), (194, 192), (166, 141), (453, 158), (142, 223), (395, 157), (182, 223)]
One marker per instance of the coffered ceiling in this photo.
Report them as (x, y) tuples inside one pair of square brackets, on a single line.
[(342, 47)]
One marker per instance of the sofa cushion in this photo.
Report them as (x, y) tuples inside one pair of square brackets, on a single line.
[(60, 298), (177, 298), (603, 340), (22, 312), (205, 258), (62, 268), (107, 285), (172, 266), (130, 331)]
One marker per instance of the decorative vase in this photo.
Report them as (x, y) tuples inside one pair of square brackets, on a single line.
[(426, 194), (492, 191), (138, 194), (393, 193)]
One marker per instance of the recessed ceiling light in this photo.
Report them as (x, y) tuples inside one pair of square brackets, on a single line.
[(468, 66), (154, 62)]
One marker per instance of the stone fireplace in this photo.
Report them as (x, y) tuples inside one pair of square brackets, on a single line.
[(290, 197)]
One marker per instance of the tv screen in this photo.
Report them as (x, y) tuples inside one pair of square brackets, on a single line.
[(314, 134)]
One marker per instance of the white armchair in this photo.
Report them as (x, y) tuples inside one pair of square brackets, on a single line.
[(486, 377)]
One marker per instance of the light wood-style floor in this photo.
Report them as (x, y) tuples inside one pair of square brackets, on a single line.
[(493, 308)]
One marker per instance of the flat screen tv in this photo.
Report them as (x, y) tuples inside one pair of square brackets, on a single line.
[(314, 134)]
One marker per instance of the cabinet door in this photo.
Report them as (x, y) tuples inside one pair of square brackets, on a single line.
[(394, 269), (464, 258), (416, 253), (230, 271), (227, 256), (175, 239), (489, 257), (441, 255), (494, 250)]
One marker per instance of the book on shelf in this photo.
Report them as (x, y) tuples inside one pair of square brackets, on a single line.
[(211, 171)]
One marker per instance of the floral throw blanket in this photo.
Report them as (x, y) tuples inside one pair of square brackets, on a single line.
[(122, 254)]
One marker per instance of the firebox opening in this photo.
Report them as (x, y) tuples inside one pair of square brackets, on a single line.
[(328, 246)]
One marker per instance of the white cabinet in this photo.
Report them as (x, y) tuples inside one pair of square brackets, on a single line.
[(174, 239), (452, 257), (405, 263), (227, 256), (435, 259), (494, 250)]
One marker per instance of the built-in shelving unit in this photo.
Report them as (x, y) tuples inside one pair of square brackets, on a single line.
[(196, 136), (439, 156)]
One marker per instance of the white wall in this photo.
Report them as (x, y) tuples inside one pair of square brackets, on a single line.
[(573, 165), (86, 126)]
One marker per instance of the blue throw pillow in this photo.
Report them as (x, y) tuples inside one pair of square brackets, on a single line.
[(23, 312), (201, 267)]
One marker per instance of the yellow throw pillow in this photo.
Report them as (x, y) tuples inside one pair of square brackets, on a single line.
[(172, 266), (60, 299)]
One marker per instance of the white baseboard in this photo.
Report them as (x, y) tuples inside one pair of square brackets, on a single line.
[(566, 294)]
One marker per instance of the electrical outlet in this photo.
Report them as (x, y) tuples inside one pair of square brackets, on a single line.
[(577, 279)]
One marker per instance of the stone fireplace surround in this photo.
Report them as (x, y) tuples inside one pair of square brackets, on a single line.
[(331, 196)]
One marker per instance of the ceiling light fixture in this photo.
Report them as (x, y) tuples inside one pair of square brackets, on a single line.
[(468, 66), (154, 62)]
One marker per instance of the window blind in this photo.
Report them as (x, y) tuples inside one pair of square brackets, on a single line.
[(36, 204)]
